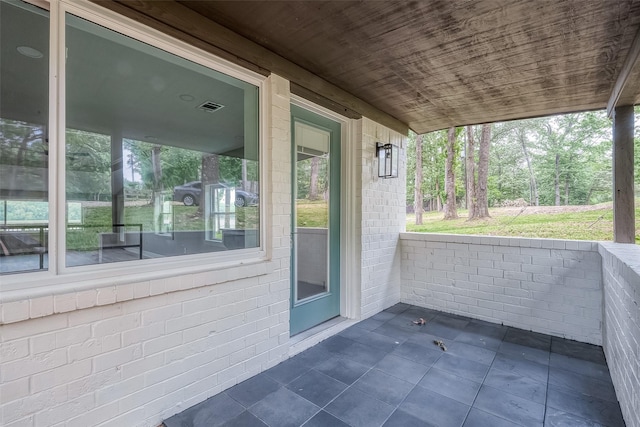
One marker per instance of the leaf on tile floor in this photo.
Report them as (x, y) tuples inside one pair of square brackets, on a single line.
[(440, 344), (420, 321)]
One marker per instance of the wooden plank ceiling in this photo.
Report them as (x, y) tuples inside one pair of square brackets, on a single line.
[(428, 64)]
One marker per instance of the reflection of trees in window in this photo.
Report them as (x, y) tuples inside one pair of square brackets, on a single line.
[(88, 166), (24, 157), (176, 166), (313, 183)]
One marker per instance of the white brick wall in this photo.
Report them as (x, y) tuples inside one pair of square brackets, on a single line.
[(382, 213), (548, 286), (621, 335), (133, 354), (136, 353)]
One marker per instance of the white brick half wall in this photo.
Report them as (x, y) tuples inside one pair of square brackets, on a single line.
[(621, 273), (133, 354), (382, 215), (548, 286)]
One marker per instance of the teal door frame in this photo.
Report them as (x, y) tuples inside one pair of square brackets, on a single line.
[(310, 312)]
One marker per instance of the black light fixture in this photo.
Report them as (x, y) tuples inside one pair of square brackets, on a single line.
[(387, 160)]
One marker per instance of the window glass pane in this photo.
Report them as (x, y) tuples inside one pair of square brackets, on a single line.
[(312, 210), (161, 153), (24, 148)]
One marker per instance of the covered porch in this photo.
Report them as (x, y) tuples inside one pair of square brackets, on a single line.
[(537, 331), (389, 371)]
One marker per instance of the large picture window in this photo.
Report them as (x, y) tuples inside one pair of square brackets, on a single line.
[(157, 154), (149, 135)]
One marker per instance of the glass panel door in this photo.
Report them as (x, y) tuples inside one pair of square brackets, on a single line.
[(315, 290)]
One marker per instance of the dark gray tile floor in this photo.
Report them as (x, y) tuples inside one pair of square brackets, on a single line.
[(387, 371)]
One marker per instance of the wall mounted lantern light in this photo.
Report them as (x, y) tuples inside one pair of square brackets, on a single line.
[(387, 160)]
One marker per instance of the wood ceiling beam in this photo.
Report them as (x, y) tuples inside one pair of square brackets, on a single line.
[(179, 21), (628, 81)]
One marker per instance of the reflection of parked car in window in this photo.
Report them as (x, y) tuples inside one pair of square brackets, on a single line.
[(190, 193)]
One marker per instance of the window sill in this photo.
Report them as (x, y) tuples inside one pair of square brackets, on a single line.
[(91, 288)]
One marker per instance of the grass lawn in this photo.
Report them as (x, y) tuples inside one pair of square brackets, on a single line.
[(554, 222), (97, 219), (312, 214)]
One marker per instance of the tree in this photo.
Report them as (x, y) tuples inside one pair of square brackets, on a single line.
[(567, 156), (533, 186), (433, 162), (88, 168), (567, 147), (450, 211), (471, 173), (482, 208), (156, 167), (24, 154), (508, 175), (313, 179), (418, 198)]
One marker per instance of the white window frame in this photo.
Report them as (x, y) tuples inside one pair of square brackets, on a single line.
[(59, 278)]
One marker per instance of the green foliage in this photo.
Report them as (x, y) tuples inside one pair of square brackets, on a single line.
[(587, 224), (581, 143), (178, 165), (24, 156), (433, 159), (88, 166), (17, 211), (303, 172)]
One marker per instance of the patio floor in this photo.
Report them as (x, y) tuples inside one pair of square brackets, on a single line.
[(387, 371)]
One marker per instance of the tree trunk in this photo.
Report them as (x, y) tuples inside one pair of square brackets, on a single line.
[(450, 211), (470, 166), (313, 179), (482, 207), (157, 168), (589, 195), (417, 200), (566, 182), (533, 195), (438, 201), (556, 181)]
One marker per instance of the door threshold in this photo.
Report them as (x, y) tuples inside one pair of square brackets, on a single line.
[(307, 339)]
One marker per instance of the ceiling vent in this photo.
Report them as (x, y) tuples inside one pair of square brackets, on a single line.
[(210, 106)]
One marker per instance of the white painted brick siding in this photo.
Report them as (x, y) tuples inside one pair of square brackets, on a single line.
[(532, 284), (621, 273), (382, 217), (136, 353)]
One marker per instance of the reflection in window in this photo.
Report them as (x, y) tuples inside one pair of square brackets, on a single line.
[(312, 210), (24, 147), (161, 153)]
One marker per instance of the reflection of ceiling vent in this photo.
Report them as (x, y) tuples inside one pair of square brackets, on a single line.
[(210, 106)]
